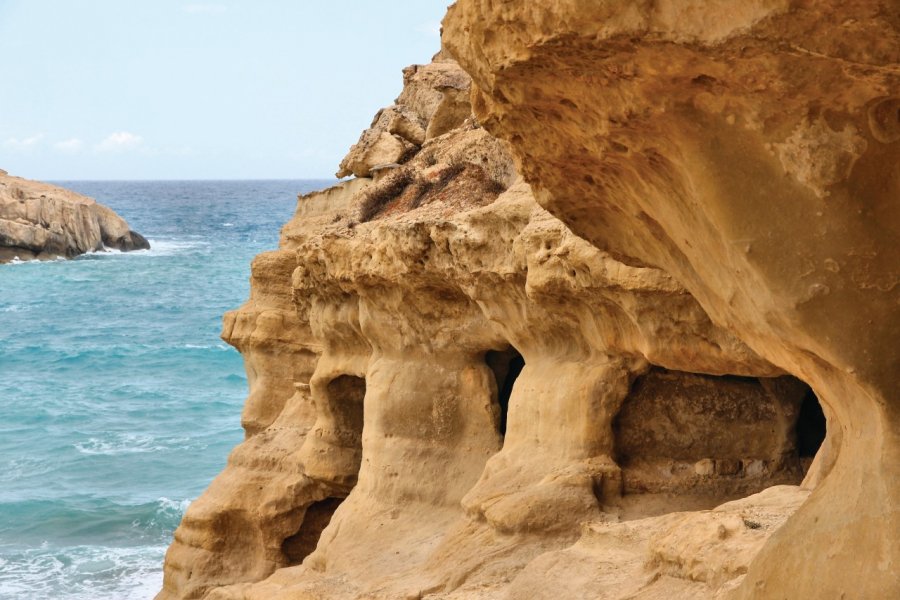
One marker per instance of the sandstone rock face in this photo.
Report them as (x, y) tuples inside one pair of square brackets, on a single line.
[(42, 221), (435, 99), (750, 150), (454, 394)]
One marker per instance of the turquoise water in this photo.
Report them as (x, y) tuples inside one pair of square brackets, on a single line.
[(118, 401)]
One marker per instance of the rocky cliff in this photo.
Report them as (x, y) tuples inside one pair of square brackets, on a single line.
[(563, 347), (43, 221), (750, 150)]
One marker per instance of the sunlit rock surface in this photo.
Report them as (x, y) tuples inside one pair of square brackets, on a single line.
[(563, 347), (42, 221), (751, 151)]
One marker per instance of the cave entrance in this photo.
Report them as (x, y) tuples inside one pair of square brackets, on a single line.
[(810, 429), (701, 439), (340, 420), (507, 365), (315, 520)]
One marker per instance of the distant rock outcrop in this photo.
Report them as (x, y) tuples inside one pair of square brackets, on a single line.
[(42, 221)]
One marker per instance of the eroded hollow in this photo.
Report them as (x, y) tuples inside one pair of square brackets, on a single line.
[(339, 431), (507, 365), (315, 520), (715, 438), (345, 403)]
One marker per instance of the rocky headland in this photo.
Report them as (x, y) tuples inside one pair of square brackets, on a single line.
[(42, 221), (608, 310)]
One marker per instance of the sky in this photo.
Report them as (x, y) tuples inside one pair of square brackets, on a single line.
[(226, 89)]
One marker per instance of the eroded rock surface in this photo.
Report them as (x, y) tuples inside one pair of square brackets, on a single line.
[(435, 99), (455, 396), (42, 221), (750, 150)]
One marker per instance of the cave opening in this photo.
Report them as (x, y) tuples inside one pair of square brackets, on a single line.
[(341, 419), (506, 365), (316, 518), (811, 426), (701, 439)]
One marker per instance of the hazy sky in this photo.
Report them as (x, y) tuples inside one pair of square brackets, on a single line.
[(169, 89)]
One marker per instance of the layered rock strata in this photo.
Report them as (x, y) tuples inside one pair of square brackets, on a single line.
[(453, 395), (42, 221), (751, 151)]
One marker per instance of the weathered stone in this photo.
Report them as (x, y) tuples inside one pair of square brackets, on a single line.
[(749, 150), (434, 101), (42, 221), (468, 385)]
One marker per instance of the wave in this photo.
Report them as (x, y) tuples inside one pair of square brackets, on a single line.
[(179, 506), (157, 248), (83, 573), (122, 443), (14, 308), (86, 519), (31, 261), (206, 347), (18, 468), (133, 443), (170, 247)]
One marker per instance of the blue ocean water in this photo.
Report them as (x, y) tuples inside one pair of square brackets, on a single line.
[(118, 401)]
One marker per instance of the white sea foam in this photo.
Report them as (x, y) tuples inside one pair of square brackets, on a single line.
[(82, 573), (157, 248), (227, 224), (167, 512), (14, 308), (29, 261), (134, 443), (169, 247), (206, 346), (105, 250), (120, 443), (178, 506)]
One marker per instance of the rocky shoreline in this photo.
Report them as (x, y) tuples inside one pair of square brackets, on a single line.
[(42, 221)]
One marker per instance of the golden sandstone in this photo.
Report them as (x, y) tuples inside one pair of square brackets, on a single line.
[(579, 337)]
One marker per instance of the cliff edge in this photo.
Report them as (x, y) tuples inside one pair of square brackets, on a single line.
[(42, 221)]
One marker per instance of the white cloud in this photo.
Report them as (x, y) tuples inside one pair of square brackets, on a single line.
[(24, 143), (204, 9), (119, 141), (70, 145)]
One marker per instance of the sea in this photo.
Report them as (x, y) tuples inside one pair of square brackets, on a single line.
[(118, 401)]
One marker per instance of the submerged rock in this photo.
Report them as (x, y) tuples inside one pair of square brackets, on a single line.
[(42, 221)]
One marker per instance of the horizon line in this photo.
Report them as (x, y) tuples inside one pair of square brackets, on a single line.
[(52, 179)]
